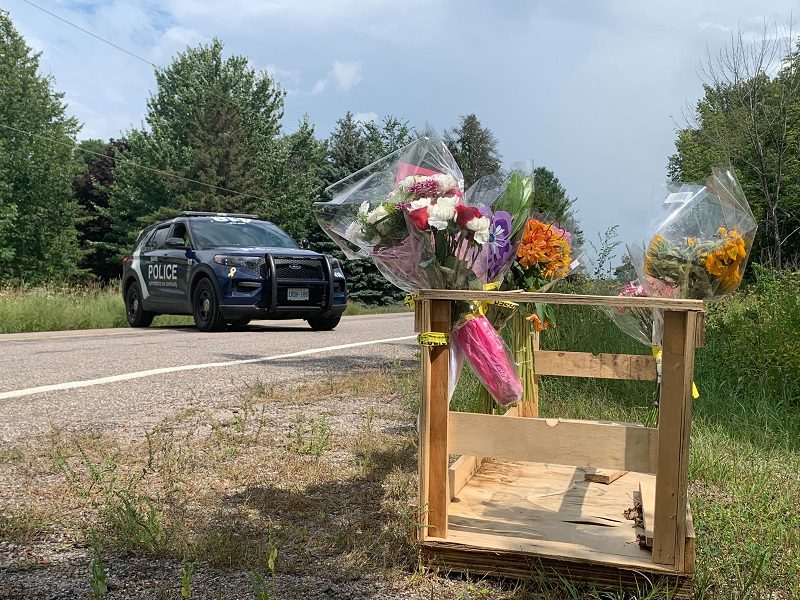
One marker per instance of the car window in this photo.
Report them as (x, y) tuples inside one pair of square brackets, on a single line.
[(144, 239), (158, 240), (179, 231), (238, 233)]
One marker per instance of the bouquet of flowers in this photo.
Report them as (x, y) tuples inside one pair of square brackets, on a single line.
[(410, 214), (699, 244)]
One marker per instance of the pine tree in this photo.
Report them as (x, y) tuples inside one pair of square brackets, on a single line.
[(352, 146), (90, 188), (297, 182), (38, 239), (211, 119), (474, 147)]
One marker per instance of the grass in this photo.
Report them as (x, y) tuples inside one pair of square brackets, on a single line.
[(320, 476), (63, 307)]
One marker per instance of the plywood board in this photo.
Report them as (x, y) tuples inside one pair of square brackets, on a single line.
[(549, 510), (584, 299), (602, 366), (560, 441), (604, 476)]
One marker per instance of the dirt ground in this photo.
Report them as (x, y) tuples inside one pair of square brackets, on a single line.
[(292, 492)]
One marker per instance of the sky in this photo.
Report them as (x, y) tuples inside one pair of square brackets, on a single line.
[(593, 90)]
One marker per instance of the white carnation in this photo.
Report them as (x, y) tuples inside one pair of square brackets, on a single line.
[(364, 208), (441, 213), (480, 225), (444, 182), (421, 203), (376, 215), (354, 233)]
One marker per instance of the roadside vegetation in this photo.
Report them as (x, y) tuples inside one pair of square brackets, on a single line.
[(60, 307), (318, 480)]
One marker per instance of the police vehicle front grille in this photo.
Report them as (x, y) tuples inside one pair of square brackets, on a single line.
[(299, 268)]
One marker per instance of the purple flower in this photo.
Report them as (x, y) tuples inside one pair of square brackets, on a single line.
[(501, 250), (424, 189)]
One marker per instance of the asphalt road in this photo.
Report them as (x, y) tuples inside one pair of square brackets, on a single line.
[(132, 378)]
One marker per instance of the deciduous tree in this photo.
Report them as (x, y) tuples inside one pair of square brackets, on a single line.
[(38, 239)]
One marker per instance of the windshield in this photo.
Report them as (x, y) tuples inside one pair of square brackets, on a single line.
[(238, 233)]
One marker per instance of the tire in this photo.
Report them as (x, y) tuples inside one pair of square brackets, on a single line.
[(205, 307), (134, 309), (326, 324)]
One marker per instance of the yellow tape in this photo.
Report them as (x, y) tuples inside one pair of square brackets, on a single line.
[(657, 354), (410, 300), (491, 287), (506, 304), (433, 338)]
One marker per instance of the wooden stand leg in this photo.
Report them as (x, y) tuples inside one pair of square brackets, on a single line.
[(434, 408), (674, 428)]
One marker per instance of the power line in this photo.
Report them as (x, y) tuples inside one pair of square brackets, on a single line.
[(129, 53), (135, 164)]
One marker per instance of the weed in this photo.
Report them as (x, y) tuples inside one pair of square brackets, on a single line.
[(98, 579), (311, 437), (187, 575)]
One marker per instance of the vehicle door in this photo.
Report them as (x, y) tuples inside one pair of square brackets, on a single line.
[(177, 261), (153, 264)]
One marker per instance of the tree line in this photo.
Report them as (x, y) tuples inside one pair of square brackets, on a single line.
[(211, 140), (749, 118)]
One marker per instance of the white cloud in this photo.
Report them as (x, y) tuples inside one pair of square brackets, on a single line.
[(365, 117), (282, 74), (346, 74)]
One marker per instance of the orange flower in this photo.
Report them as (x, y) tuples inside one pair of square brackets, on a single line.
[(725, 262), (537, 323), (545, 247)]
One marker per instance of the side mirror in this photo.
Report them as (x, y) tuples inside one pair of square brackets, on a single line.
[(176, 242), (304, 244)]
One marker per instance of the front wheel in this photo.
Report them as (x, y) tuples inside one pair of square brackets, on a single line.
[(134, 309), (324, 324), (205, 306)]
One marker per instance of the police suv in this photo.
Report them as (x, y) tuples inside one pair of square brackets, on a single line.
[(228, 269)]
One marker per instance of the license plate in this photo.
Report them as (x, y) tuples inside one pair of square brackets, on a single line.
[(297, 294)]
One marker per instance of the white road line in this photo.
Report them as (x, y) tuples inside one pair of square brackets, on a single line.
[(71, 385)]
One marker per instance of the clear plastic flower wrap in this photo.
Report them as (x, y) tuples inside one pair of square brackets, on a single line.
[(698, 244), (475, 341), (410, 214)]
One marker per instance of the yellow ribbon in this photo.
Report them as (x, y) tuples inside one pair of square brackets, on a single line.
[(433, 338), (410, 300), (657, 355)]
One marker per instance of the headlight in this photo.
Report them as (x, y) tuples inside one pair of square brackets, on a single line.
[(336, 269), (248, 262)]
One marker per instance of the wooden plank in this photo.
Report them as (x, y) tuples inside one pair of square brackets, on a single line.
[(460, 472), (674, 429), (602, 366), (700, 331), (689, 565), (604, 476), (630, 301), (423, 309), (559, 441), (516, 564), (438, 408)]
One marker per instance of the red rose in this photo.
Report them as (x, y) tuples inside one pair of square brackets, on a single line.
[(419, 217), (464, 214)]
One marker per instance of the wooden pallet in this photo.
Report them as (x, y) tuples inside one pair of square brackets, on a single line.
[(512, 505)]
